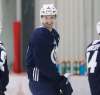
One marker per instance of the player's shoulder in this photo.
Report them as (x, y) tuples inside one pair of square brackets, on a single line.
[(39, 28), (40, 31), (40, 34), (37, 32), (96, 42), (94, 45)]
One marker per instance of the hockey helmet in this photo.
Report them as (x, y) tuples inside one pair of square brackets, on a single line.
[(48, 9)]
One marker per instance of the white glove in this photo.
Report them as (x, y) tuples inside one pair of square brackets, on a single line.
[(67, 75)]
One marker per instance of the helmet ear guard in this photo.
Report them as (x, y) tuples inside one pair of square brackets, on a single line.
[(98, 27), (48, 9)]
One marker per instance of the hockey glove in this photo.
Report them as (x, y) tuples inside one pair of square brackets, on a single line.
[(65, 87)]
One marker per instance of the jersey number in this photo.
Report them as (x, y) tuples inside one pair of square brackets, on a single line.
[(92, 62)]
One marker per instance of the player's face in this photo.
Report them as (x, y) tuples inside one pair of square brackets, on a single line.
[(48, 21)]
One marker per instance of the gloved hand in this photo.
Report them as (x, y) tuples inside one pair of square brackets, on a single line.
[(65, 87)]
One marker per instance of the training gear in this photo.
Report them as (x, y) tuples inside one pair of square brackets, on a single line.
[(48, 9), (43, 75), (93, 65)]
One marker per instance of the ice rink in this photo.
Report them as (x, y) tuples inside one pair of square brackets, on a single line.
[(18, 85)]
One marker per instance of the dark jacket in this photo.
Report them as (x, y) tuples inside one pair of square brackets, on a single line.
[(40, 61)]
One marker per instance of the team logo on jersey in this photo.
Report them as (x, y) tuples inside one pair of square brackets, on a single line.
[(54, 52), (54, 55)]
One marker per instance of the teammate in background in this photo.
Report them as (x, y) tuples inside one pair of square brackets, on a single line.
[(43, 75), (93, 64), (4, 73)]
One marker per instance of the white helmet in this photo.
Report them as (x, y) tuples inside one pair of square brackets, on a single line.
[(48, 9), (98, 27)]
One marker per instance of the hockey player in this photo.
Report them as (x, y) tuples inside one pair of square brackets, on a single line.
[(43, 75), (4, 74), (93, 64)]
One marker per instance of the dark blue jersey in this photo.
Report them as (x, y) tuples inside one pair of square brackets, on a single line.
[(93, 64), (4, 74), (40, 61)]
